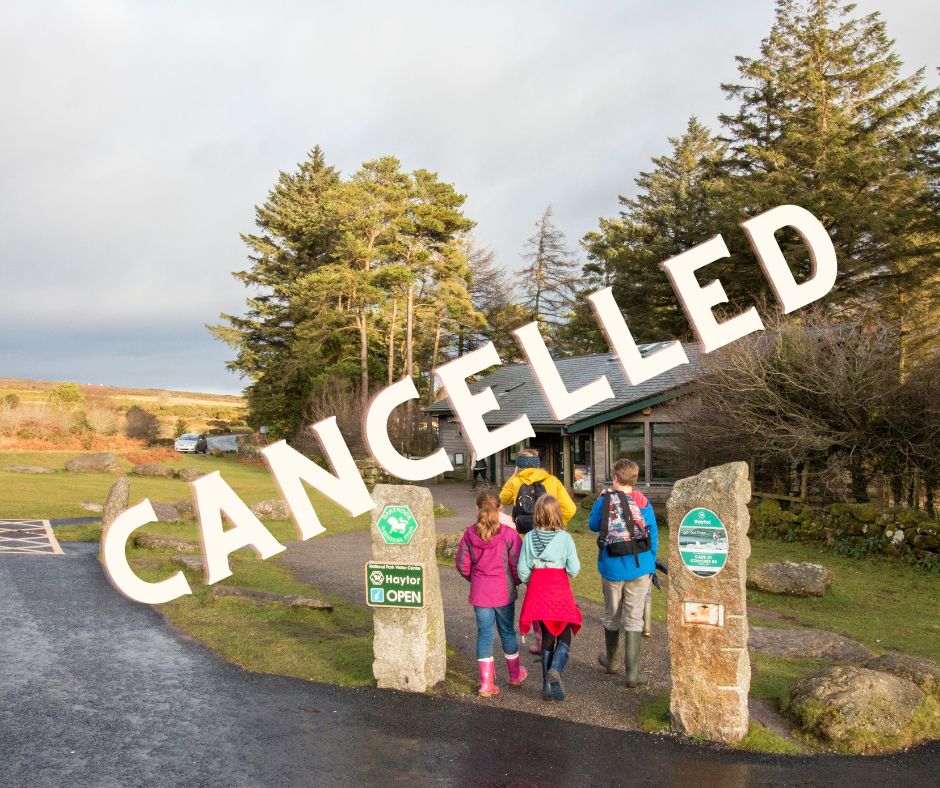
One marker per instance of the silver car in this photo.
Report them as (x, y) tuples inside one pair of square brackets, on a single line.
[(186, 444)]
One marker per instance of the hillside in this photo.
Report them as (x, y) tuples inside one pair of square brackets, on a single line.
[(27, 417)]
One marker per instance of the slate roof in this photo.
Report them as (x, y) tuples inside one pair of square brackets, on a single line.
[(517, 392)]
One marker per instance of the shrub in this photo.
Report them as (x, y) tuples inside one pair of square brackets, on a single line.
[(181, 428), (66, 396), (10, 401), (141, 425)]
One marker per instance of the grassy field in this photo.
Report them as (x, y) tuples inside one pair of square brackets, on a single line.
[(883, 604)]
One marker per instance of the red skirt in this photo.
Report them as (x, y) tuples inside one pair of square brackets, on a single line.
[(548, 599)]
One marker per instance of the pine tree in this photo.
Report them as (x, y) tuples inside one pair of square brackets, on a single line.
[(675, 208), (297, 234), (548, 281), (828, 121)]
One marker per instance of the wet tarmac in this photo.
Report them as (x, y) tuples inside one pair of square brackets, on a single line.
[(96, 691)]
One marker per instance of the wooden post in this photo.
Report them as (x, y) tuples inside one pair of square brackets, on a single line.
[(566, 462), (804, 482)]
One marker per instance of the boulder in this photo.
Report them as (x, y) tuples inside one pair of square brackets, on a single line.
[(92, 506), (924, 673), (153, 469), (806, 644), (36, 469), (790, 577), (99, 462), (166, 513), (192, 562), (270, 510), (190, 474), (160, 542), (220, 592), (116, 502), (852, 706), (186, 509)]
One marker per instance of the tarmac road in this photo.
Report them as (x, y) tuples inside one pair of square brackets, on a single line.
[(96, 691)]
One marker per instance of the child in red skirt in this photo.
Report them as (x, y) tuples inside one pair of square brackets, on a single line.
[(548, 559)]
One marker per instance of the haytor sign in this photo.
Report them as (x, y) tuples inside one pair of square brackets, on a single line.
[(344, 485)]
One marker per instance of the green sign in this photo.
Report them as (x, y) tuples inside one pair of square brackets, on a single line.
[(703, 542), (397, 525), (394, 585)]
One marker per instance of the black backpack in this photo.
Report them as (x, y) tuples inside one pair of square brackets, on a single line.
[(524, 508), (634, 537)]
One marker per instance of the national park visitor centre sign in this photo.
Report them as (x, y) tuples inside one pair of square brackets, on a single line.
[(290, 469)]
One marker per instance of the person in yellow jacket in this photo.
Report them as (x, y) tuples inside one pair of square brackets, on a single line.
[(529, 471)]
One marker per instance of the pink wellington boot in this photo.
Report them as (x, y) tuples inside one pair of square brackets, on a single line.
[(488, 686), (517, 673), (536, 648)]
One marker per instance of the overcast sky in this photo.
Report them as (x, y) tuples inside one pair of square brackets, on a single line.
[(137, 138)]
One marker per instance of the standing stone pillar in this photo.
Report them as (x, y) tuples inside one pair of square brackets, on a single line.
[(409, 643), (707, 607)]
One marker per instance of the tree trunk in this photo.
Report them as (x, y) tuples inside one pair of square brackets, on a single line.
[(363, 357), (897, 489), (929, 484), (859, 482), (409, 332), (437, 345), (391, 342)]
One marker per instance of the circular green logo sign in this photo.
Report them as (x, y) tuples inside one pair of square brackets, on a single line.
[(703, 542)]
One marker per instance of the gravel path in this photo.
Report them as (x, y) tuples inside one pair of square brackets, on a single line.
[(334, 563)]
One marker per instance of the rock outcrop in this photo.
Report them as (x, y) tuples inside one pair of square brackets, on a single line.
[(853, 707), (98, 462), (153, 469), (790, 577), (116, 502)]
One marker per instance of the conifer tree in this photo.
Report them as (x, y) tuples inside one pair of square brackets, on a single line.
[(827, 120), (548, 281), (675, 208)]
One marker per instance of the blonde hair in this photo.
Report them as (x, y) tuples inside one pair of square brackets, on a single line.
[(487, 524), (528, 453), (625, 472), (547, 514)]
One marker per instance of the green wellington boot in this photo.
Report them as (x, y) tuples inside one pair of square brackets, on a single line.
[(631, 660), (611, 644)]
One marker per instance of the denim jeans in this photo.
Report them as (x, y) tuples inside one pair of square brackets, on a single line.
[(504, 618)]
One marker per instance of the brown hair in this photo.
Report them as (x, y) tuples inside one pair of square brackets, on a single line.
[(528, 453), (487, 524), (625, 472), (547, 514)]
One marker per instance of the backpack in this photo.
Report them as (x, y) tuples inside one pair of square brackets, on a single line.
[(524, 507), (623, 529)]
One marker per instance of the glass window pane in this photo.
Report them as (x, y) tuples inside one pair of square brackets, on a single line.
[(512, 451), (666, 460), (626, 442)]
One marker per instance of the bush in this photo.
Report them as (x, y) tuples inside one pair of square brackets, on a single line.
[(66, 395), (10, 401), (181, 428), (141, 425)]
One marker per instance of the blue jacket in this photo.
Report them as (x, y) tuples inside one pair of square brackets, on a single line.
[(624, 567)]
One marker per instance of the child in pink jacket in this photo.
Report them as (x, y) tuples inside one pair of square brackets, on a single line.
[(487, 556)]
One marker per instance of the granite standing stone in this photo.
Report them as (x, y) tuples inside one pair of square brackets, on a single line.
[(116, 501), (711, 672), (409, 644)]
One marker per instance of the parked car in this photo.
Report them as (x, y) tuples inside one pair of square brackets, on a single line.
[(189, 443)]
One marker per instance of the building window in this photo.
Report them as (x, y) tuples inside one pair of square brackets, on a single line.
[(666, 460), (581, 463), (626, 443), (512, 451)]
